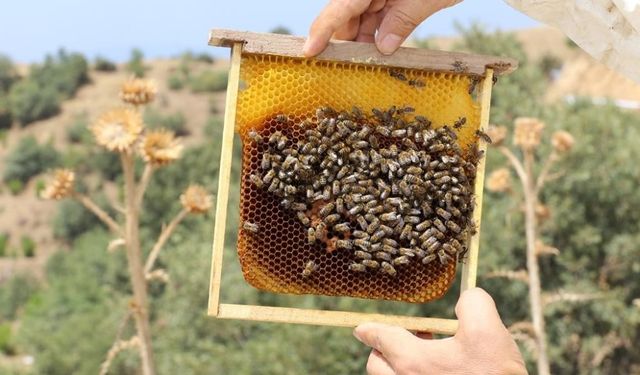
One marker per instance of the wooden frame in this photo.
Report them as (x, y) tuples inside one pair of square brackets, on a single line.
[(482, 66)]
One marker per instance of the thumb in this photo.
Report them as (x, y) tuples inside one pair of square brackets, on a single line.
[(401, 18)]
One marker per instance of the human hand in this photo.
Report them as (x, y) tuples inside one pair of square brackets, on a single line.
[(358, 20), (482, 344)]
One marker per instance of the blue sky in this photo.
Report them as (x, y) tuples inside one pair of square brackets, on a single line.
[(31, 28)]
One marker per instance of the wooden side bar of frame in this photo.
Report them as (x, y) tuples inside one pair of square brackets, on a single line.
[(470, 265), (365, 53)]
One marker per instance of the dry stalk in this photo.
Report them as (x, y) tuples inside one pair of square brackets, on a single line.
[(562, 296), (162, 239), (528, 342), (519, 275), (99, 212), (611, 342), (118, 344)]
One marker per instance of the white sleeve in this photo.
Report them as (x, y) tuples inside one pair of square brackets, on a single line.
[(609, 30)]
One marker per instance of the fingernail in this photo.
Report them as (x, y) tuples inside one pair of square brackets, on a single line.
[(389, 44), (356, 334)]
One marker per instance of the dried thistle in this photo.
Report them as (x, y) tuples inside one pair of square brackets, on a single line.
[(497, 134), (160, 147), (118, 130), (196, 200), (528, 132), (543, 212), (562, 141), (138, 91), (519, 275), (544, 249), (61, 186), (499, 181)]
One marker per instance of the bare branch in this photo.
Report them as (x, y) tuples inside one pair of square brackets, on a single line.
[(99, 212), (611, 342), (159, 274), (528, 342), (115, 243), (544, 172), (519, 275), (515, 162), (162, 239), (524, 326), (144, 182), (563, 296), (118, 344)]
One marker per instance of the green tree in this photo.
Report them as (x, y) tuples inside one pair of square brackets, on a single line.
[(30, 102), (28, 159)]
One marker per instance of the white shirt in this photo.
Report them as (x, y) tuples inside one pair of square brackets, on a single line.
[(609, 30)]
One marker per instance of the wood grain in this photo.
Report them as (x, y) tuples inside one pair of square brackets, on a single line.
[(224, 178), (365, 53), (470, 267), (333, 318)]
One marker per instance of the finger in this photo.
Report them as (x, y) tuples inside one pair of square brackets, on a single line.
[(332, 17), (377, 365), (376, 6), (390, 341), (368, 25), (349, 30), (402, 17), (477, 313)]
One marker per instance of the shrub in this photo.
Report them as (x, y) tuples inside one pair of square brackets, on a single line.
[(136, 63), (6, 119), (105, 162), (15, 186), (213, 127), (4, 241), (281, 30), (14, 293), (28, 159), (28, 246), (63, 73), (72, 220), (8, 74), (6, 344), (209, 81), (78, 131), (175, 122), (205, 58), (30, 102), (103, 65), (175, 82)]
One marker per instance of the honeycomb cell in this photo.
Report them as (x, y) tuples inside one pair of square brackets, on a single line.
[(273, 259)]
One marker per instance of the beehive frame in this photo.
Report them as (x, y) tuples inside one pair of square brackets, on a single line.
[(484, 67)]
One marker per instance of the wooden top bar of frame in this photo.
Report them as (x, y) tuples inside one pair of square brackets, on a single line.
[(365, 53)]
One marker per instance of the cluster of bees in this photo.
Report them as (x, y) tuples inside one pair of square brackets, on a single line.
[(385, 188)]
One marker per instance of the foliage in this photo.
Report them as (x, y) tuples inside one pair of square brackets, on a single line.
[(209, 81), (175, 82), (63, 73), (281, 30), (4, 241), (175, 122), (6, 340), (102, 64), (72, 220), (14, 294), (28, 159), (78, 130), (6, 118), (28, 246), (15, 186), (30, 102), (136, 63), (8, 74), (106, 163)]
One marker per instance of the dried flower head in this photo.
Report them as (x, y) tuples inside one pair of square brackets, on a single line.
[(528, 132), (544, 249), (138, 91), (61, 186), (118, 130), (497, 134), (543, 212), (499, 180), (196, 200), (160, 147), (562, 141)]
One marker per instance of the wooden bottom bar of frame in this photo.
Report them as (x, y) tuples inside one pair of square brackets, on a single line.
[(333, 318)]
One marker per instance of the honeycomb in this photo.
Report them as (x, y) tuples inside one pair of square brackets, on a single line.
[(272, 259)]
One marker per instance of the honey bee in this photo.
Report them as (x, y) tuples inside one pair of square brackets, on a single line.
[(383, 130), (434, 247), (308, 269), (373, 225), (373, 141), (344, 244), (460, 66), (326, 209), (332, 219), (268, 177), (339, 205), (438, 224), (429, 258), (369, 263), (282, 118), (443, 214), (303, 218), (449, 249), (412, 219), (389, 249), (388, 231), (255, 137), (342, 227), (459, 122), (257, 181), (472, 85), (406, 232), (362, 222), (357, 267), (377, 236), (482, 135), (397, 75), (416, 83), (444, 257), (423, 225), (387, 268), (274, 186), (360, 234), (356, 209), (453, 226), (401, 260), (381, 255), (399, 133), (266, 161), (389, 216), (361, 254), (251, 227), (297, 206), (311, 236), (407, 252), (362, 243)]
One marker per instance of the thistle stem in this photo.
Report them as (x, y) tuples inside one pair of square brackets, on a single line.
[(99, 212), (162, 239)]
